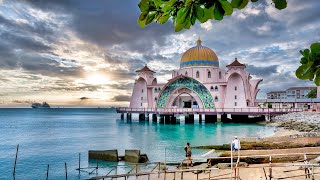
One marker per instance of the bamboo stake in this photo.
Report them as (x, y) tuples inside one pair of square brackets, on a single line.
[(79, 164), (65, 167), (15, 163), (47, 173)]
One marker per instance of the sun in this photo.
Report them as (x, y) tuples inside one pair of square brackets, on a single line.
[(96, 79)]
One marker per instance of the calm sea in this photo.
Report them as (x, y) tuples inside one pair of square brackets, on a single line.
[(57, 136)]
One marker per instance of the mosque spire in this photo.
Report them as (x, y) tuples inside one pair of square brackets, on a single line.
[(199, 41)]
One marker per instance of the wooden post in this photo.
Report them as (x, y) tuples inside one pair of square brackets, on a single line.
[(270, 169), (79, 164), (15, 163), (181, 174), (209, 174), (47, 172), (65, 167), (159, 169), (97, 167)]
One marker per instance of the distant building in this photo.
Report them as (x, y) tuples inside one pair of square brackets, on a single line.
[(291, 93)]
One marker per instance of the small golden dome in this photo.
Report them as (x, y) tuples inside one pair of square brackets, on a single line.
[(199, 56)]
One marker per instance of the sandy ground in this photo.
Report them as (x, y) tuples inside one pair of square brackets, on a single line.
[(252, 172), (285, 132)]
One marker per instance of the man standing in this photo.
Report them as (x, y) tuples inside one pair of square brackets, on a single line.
[(236, 144), (187, 149)]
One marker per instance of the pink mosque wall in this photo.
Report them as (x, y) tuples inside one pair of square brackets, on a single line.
[(235, 87), (224, 80)]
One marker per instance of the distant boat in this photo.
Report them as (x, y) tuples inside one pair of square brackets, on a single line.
[(39, 105)]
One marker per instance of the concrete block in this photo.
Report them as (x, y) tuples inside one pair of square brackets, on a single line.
[(107, 155), (132, 156)]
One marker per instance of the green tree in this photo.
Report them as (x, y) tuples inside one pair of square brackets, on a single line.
[(310, 64), (185, 13), (312, 93)]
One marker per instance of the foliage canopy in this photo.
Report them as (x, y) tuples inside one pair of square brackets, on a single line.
[(312, 93), (310, 64), (185, 13)]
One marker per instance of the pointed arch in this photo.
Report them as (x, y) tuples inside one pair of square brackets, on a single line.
[(189, 83)]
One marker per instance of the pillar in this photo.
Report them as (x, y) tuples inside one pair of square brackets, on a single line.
[(224, 118), (218, 117), (142, 117), (128, 116), (240, 118), (210, 118), (122, 116), (200, 118), (173, 119), (161, 119), (189, 119), (167, 119), (154, 117)]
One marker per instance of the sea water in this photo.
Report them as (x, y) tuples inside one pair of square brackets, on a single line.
[(56, 136)]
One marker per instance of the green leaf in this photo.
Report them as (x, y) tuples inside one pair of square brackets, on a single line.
[(144, 5), (280, 4), (218, 13), (143, 16), (164, 18), (151, 17), (158, 3), (209, 13), (304, 60), (317, 80), (236, 3), (315, 48), (193, 19), (142, 23), (178, 27), (200, 14), (244, 4), (305, 72), (226, 7)]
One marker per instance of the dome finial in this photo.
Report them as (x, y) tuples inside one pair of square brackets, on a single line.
[(199, 41)]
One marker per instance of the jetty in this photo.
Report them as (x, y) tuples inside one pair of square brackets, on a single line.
[(209, 115)]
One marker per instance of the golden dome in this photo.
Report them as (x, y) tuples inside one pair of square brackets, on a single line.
[(199, 56)]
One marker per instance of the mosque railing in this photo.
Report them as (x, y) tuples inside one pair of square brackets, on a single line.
[(206, 110)]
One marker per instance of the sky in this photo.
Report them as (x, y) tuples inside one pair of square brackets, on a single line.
[(85, 53)]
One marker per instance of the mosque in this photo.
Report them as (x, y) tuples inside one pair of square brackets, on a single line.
[(199, 83)]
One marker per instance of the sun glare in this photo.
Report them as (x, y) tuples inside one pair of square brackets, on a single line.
[(96, 79)]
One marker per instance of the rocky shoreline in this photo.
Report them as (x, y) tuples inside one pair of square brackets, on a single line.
[(299, 121)]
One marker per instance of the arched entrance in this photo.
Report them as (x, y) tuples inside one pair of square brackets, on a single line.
[(180, 82), (184, 98)]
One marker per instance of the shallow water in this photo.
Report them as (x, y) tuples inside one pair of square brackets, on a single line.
[(57, 136)]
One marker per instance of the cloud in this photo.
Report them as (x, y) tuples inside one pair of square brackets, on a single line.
[(262, 71), (122, 98)]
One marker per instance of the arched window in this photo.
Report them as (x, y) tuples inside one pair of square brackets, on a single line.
[(211, 88), (209, 74), (216, 98), (142, 91), (155, 90), (219, 74), (155, 98), (216, 88), (186, 73), (235, 88), (235, 96), (197, 74)]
